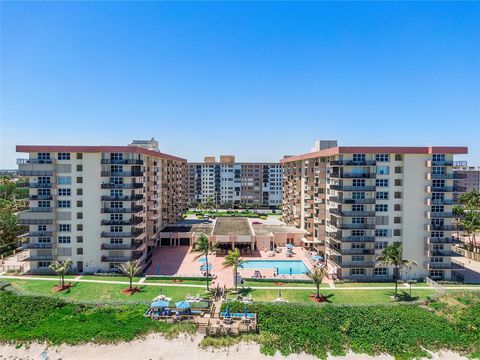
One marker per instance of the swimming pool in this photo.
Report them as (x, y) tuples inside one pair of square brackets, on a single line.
[(283, 266)]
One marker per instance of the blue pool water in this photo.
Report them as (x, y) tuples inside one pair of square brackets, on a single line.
[(283, 266)]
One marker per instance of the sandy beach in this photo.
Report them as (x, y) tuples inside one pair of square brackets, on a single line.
[(155, 347)]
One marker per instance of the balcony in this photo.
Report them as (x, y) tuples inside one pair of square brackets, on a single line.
[(133, 209), (431, 176), (352, 175), (440, 188), (437, 215), (431, 227), (352, 264), (29, 257), (447, 253), (41, 271), (135, 197), (131, 246), (338, 236), (352, 213), (35, 172), (134, 221), (442, 240), (352, 163), (441, 202), (40, 197), (34, 161), (40, 233), (135, 256), (129, 234), (352, 188), (122, 161), (357, 252), (122, 173), (122, 186), (28, 221), (342, 200), (35, 245), (444, 266)]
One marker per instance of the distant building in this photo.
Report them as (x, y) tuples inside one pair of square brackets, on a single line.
[(354, 201), (467, 178), (227, 182)]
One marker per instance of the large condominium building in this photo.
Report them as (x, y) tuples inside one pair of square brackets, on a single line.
[(467, 178), (233, 183), (354, 201), (99, 205)]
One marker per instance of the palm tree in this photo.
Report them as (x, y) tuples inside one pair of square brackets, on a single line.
[(317, 276), (202, 246), (392, 256), (458, 212), (61, 268), (233, 260), (130, 269), (471, 225)]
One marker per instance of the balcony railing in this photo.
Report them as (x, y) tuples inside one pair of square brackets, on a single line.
[(442, 202), (40, 197), (352, 264), (358, 238), (29, 257), (132, 246), (357, 251), (342, 200), (441, 188), (352, 226), (34, 161), (122, 186), (122, 198), (442, 176), (122, 161), (134, 209), (444, 266), (38, 245), (133, 257), (352, 163), (443, 240), (134, 221), (129, 234), (35, 172), (352, 175), (439, 163), (40, 233), (352, 213), (352, 188), (40, 209), (122, 173), (441, 214), (442, 253), (26, 221), (40, 185), (431, 227)]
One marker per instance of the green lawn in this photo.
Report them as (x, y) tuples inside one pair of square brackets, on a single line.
[(109, 278), (379, 284), (340, 296), (82, 291), (288, 284), (186, 282)]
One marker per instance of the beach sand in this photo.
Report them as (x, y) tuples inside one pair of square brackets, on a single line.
[(155, 347)]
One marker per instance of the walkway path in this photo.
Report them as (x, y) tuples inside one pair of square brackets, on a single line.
[(253, 287)]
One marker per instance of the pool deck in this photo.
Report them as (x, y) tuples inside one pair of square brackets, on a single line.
[(181, 261)]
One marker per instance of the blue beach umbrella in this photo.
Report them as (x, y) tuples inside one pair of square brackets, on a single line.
[(202, 260), (182, 305), (159, 304), (317, 257), (289, 246), (204, 267), (227, 312)]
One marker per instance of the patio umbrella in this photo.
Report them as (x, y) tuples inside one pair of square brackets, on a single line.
[(159, 304), (202, 260), (246, 311), (317, 257), (227, 312), (182, 305), (289, 246), (204, 267)]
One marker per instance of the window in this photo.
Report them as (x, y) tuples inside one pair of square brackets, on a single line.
[(44, 204), (381, 232), (397, 207), (438, 170), (64, 180), (358, 245), (398, 170), (357, 271), (397, 220), (436, 273), (79, 180), (64, 240), (380, 245), (64, 192), (398, 157), (358, 182), (358, 195), (382, 157), (381, 207), (359, 157), (44, 264), (398, 194), (63, 156), (113, 266), (43, 180), (116, 204), (79, 156), (357, 207), (116, 241), (381, 195), (397, 232), (381, 182), (79, 251), (42, 227), (79, 167), (79, 227), (64, 227), (380, 272), (116, 228), (358, 220), (79, 239), (438, 157), (79, 203), (398, 182), (116, 156), (358, 232), (116, 180), (116, 217), (45, 240), (63, 203), (79, 191), (79, 215), (383, 170)]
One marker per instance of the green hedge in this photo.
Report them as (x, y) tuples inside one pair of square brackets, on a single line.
[(406, 332)]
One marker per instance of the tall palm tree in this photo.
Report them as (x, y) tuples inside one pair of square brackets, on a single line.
[(234, 260), (392, 255), (61, 268), (458, 212), (471, 225), (317, 276), (471, 200), (202, 246), (130, 269)]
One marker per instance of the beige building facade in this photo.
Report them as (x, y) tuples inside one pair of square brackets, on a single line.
[(354, 201), (99, 205)]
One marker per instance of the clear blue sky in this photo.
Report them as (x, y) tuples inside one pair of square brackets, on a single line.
[(258, 80)]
